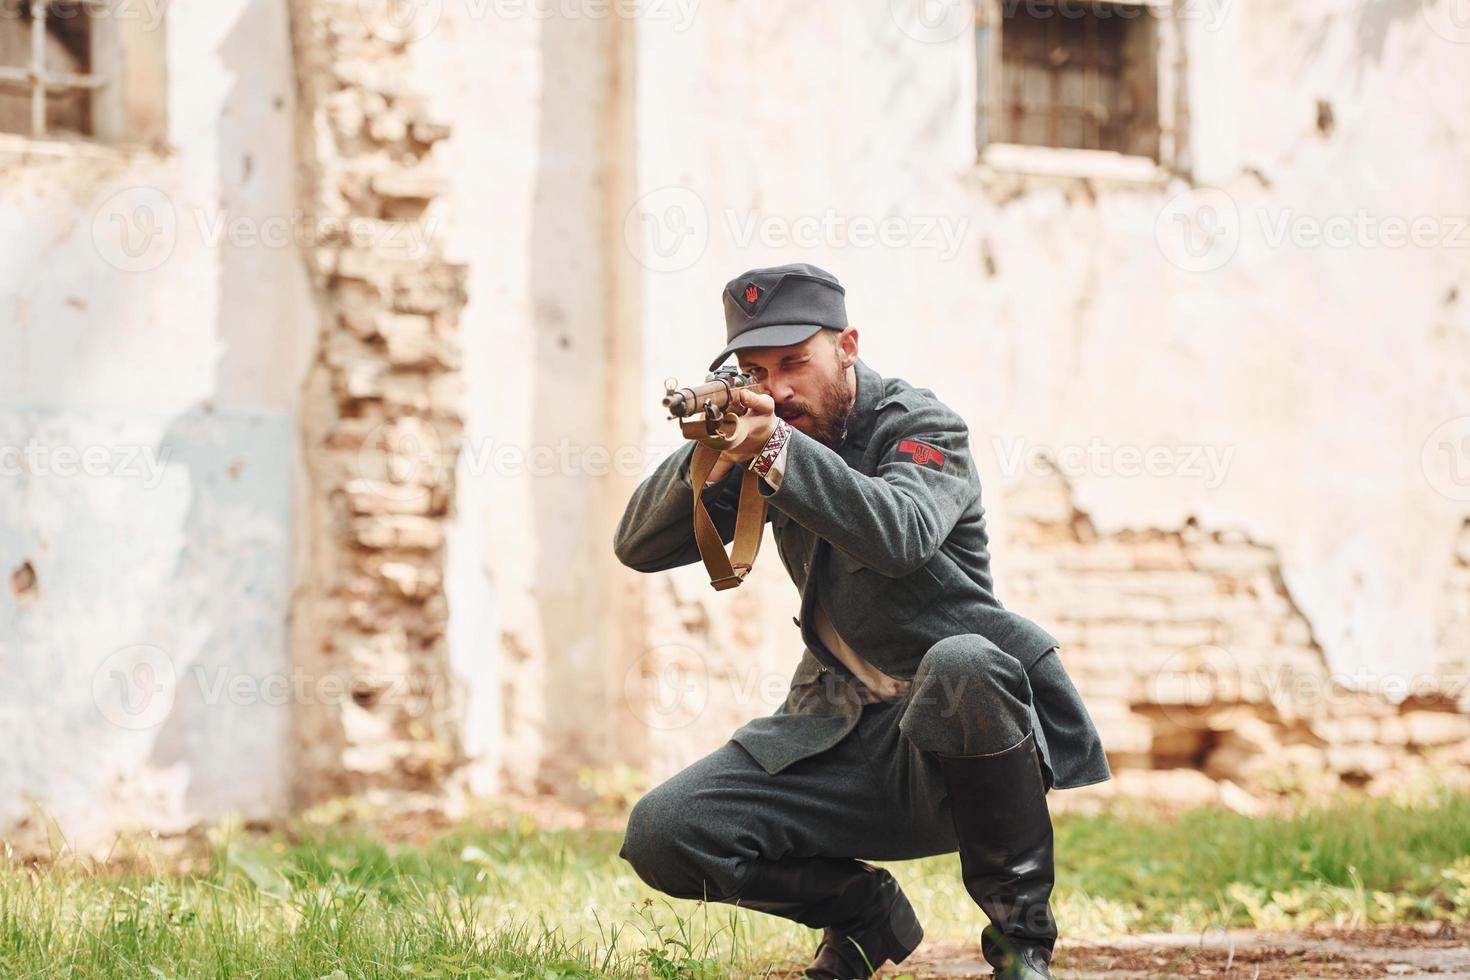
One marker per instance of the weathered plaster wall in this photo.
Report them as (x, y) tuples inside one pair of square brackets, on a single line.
[(152, 346), (1286, 392), (487, 76), (602, 180), (539, 631)]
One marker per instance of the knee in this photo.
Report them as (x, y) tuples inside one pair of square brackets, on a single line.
[(969, 697), (648, 833), (653, 842), (968, 658)]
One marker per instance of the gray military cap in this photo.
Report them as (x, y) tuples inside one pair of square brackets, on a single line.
[(780, 306)]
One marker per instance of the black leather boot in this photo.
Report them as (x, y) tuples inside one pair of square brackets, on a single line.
[(1004, 829), (861, 909)]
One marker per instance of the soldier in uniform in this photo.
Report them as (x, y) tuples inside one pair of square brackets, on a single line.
[(923, 716)]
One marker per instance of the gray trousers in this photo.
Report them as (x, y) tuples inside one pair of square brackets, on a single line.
[(878, 794)]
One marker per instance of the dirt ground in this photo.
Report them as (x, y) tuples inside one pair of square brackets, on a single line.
[(1437, 950)]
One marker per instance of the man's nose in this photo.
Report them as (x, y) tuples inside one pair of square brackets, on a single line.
[(780, 390)]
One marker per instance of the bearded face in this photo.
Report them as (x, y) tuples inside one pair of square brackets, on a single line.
[(810, 386), (823, 417)]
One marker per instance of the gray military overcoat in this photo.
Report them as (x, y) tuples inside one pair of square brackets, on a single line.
[(887, 532)]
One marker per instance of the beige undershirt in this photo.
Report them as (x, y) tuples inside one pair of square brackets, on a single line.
[(872, 684)]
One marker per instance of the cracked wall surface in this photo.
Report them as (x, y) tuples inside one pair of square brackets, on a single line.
[(544, 633), (1282, 398), (503, 288), (147, 331)]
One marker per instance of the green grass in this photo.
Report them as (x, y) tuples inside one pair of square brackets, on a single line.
[(329, 902)]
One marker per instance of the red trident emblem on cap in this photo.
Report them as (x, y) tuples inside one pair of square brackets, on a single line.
[(752, 292)]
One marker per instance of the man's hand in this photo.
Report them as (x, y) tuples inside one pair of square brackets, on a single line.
[(756, 420), (755, 427)]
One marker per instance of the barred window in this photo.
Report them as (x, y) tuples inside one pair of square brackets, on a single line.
[(81, 68), (1070, 74)]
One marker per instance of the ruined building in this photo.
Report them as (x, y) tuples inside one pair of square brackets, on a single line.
[(332, 334)]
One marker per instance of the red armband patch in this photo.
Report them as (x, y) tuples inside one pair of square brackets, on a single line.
[(922, 453)]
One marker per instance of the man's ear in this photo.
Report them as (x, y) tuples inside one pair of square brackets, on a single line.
[(847, 347)]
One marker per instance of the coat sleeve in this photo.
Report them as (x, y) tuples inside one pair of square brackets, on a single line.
[(894, 521), (656, 531)]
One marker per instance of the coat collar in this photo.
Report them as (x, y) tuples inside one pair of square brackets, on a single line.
[(863, 417)]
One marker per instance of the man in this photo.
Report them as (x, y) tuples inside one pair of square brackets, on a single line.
[(923, 717)]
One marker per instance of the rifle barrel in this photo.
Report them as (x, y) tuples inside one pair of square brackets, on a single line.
[(688, 400)]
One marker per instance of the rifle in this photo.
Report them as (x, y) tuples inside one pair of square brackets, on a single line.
[(706, 414), (712, 398)]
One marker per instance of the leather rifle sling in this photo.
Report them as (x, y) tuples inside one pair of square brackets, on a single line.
[(727, 571)]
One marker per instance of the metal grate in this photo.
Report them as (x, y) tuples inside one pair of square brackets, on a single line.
[(1062, 76), (55, 25)]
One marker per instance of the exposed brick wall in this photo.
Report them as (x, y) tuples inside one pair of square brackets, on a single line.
[(380, 421), (1190, 653)]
